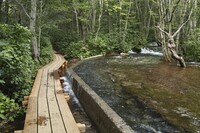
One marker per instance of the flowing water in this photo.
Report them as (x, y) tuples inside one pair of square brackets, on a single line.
[(75, 106), (150, 95)]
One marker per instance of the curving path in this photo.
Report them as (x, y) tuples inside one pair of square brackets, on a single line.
[(48, 111)]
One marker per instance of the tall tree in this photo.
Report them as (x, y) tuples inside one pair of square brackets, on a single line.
[(100, 15), (6, 11), (169, 15), (126, 22), (1, 4), (33, 14)]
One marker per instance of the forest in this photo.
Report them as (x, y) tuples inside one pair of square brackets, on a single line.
[(31, 30)]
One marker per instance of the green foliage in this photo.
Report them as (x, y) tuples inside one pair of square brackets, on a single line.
[(89, 47), (106, 43), (17, 69), (17, 66), (112, 41), (60, 37), (14, 33), (96, 46), (76, 50), (58, 24), (8, 108), (192, 47), (46, 50)]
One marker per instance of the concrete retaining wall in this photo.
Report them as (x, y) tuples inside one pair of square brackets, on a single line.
[(105, 119)]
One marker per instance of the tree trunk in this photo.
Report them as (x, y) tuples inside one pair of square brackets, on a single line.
[(6, 11), (82, 30), (126, 24), (1, 2), (193, 22), (182, 17), (149, 19), (1, 13), (21, 5), (179, 59), (170, 14), (162, 25), (100, 15), (40, 26), (33, 14), (171, 37), (93, 15), (176, 56), (77, 23), (120, 22)]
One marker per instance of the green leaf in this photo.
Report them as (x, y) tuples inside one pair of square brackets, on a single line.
[(2, 111), (2, 116), (2, 82)]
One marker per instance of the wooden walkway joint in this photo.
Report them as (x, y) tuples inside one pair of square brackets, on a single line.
[(47, 108)]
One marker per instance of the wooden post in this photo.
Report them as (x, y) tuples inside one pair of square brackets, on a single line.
[(61, 69), (67, 97), (81, 127), (62, 81), (26, 98), (24, 103), (18, 131)]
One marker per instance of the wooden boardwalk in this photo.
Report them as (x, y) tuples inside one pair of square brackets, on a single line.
[(47, 109)]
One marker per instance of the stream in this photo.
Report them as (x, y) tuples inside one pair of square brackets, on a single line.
[(150, 95)]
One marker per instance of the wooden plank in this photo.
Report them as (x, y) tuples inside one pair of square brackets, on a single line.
[(61, 60), (58, 87), (31, 120), (56, 118), (44, 123), (38, 78), (18, 131), (43, 111), (30, 125), (36, 84), (55, 59), (68, 118)]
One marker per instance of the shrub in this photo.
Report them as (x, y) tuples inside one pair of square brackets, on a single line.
[(17, 67), (105, 43), (46, 53), (96, 46), (77, 50), (192, 47), (8, 108)]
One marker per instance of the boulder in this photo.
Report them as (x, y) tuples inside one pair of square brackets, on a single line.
[(137, 50)]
